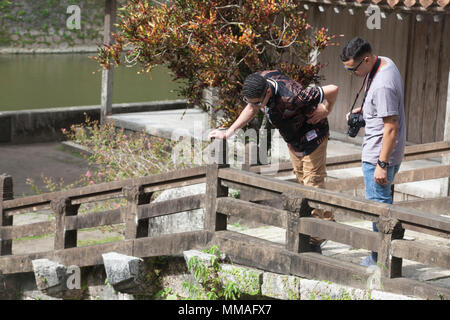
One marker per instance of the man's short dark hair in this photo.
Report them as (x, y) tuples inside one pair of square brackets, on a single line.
[(254, 86), (355, 49)]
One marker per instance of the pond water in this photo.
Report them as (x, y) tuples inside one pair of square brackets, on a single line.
[(35, 81)]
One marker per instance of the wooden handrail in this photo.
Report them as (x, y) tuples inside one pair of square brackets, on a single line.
[(252, 211), (429, 173), (421, 252), (352, 236), (65, 205), (298, 202), (163, 208), (163, 181), (410, 218), (414, 152)]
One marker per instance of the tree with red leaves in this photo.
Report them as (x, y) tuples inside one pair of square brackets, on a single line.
[(217, 43)]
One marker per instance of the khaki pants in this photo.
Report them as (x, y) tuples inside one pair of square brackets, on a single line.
[(311, 171)]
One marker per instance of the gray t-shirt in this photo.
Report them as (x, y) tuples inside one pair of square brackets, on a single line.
[(384, 98)]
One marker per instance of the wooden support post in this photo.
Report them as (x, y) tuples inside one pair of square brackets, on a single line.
[(218, 159), (445, 183), (62, 208), (210, 97), (214, 221), (107, 74), (251, 158), (135, 227), (296, 207), (6, 193), (218, 152), (389, 229)]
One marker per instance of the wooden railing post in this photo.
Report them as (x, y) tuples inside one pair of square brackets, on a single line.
[(6, 193), (214, 221), (445, 183), (218, 152), (62, 208), (108, 74), (250, 158), (218, 158), (389, 229), (296, 207), (135, 227)]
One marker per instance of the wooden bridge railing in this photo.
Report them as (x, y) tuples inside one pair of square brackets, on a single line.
[(311, 198), (414, 152), (292, 258), (65, 205), (299, 201), (433, 150)]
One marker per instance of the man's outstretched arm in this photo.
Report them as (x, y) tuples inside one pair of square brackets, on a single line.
[(246, 115)]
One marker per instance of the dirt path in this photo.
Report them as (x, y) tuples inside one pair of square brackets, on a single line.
[(54, 161), (31, 160)]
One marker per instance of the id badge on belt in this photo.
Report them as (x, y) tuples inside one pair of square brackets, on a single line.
[(311, 135)]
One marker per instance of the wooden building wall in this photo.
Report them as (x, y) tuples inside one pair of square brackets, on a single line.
[(421, 51)]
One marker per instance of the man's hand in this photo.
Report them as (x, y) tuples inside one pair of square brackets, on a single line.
[(217, 134), (319, 114), (380, 176), (357, 110), (387, 147)]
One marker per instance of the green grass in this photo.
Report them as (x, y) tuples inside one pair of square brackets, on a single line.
[(83, 243), (28, 238), (239, 226)]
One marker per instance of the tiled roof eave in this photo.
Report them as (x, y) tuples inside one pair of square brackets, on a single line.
[(431, 7)]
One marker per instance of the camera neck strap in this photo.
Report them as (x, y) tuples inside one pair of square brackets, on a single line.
[(368, 79)]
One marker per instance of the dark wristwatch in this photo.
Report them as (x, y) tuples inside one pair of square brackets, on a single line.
[(383, 164)]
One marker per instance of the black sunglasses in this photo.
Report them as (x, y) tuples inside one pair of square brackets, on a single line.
[(355, 68)]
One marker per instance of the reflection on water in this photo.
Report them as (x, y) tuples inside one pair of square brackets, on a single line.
[(59, 80)]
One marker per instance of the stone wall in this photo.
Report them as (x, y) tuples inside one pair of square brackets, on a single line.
[(43, 23), (44, 125), (128, 278), (45, 283)]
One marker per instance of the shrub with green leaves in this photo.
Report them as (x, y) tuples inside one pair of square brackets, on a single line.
[(212, 286)]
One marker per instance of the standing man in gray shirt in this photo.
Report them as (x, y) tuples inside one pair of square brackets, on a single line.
[(383, 112)]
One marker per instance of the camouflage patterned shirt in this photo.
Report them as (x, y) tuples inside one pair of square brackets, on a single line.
[(288, 110)]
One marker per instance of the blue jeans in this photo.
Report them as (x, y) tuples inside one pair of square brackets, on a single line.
[(377, 192)]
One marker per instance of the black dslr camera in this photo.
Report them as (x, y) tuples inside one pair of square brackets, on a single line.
[(355, 122)]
